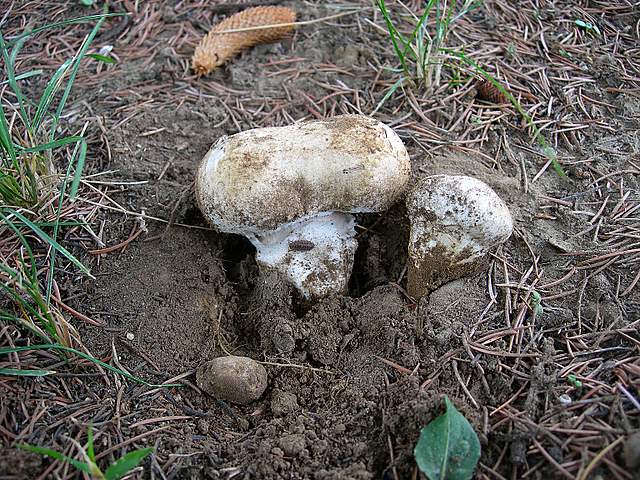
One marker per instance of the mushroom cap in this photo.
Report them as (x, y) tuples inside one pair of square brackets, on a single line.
[(460, 216), (252, 182)]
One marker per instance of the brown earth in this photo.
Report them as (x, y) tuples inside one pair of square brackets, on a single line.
[(352, 379)]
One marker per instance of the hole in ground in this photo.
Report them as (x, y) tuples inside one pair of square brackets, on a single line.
[(238, 259), (381, 254)]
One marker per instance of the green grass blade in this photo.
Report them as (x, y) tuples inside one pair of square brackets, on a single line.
[(55, 144), (6, 141), (65, 223), (127, 463), (9, 61), (11, 192), (38, 231), (548, 151), (387, 95), (74, 189), (27, 284), (469, 6), (394, 35), (90, 451), (423, 18), (8, 317), (24, 76), (77, 176), (49, 94), (25, 373), (37, 313), (65, 23), (9, 223), (47, 452), (55, 346), (74, 71)]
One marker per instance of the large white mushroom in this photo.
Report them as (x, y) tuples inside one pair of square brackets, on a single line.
[(455, 221), (292, 192)]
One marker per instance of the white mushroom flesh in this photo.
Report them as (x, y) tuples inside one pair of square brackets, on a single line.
[(319, 247)]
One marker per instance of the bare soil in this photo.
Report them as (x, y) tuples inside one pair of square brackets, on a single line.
[(353, 378)]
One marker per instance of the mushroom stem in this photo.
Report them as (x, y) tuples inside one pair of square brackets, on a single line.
[(314, 253)]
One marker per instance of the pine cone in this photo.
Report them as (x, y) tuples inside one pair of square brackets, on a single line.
[(489, 92), (216, 48)]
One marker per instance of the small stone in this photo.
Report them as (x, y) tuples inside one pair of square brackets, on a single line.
[(632, 451), (130, 336), (235, 379), (565, 399), (283, 403)]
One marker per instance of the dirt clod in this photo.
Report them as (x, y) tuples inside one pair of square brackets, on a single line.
[(283, 403)]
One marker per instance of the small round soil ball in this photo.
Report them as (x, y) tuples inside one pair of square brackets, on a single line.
[(235, 379), (632, 451)]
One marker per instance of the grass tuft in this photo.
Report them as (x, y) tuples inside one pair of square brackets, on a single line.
[(115, 471), (33, 196), (421, 52)]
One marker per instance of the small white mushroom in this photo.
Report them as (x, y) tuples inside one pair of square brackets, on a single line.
[(235, 379), (455, 222), (291, 191)]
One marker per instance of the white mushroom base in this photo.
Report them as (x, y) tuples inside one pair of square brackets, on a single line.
[(315, 254)]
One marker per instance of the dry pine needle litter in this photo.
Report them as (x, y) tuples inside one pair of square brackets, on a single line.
[(216, 48)]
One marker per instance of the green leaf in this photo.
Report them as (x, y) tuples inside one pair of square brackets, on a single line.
[(25, 373), (126, 463), (101, 58), (56, 456), (590, 27), (87, 3), (573, 381), (536, 303), (448, 448)]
